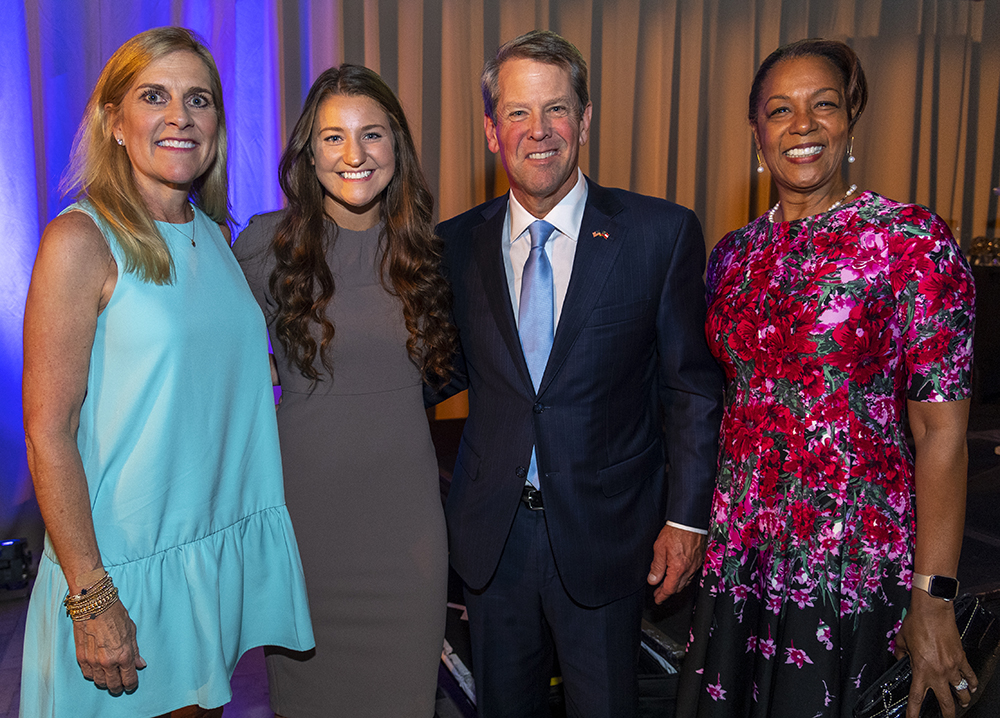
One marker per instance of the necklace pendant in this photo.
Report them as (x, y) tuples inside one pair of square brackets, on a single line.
[(194, 231)]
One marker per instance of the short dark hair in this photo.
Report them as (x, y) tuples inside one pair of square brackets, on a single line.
[(839, 54), (542, 46)]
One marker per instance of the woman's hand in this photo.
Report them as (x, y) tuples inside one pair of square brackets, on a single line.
[(107, 651), (929, 634), (930, 637)]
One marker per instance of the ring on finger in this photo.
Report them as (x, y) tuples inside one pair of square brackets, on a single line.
[(961, 685)]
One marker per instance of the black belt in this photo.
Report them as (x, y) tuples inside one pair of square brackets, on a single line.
[(532, 498)]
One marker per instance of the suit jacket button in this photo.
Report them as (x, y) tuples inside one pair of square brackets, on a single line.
[(538, 408), (522, 473)]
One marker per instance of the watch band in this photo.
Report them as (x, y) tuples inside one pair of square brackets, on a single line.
[(943, 587)]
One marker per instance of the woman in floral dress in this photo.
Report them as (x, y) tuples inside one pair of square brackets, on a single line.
[(837, 316)]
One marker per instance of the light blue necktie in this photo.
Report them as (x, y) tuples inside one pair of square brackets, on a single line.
[(535, 314)]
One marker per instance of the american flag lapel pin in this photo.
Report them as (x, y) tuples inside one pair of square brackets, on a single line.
[(601, 234)]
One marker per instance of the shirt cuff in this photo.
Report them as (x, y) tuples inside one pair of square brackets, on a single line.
[(692, 529)]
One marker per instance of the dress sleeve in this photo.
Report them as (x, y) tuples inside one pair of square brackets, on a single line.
[(938, 307), (252, 252), (718, 261)]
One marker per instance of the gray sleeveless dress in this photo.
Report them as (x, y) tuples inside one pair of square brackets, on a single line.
[(361, 485)]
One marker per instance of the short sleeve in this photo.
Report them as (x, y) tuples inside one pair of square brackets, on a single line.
[(718, 262), (937, 307), (252, 251)]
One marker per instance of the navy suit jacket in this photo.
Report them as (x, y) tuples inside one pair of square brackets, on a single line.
[(629, 381)]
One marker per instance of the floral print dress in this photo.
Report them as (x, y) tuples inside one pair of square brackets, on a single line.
[(825, 327)]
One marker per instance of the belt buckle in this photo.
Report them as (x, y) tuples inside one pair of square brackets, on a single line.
[(532, 498)]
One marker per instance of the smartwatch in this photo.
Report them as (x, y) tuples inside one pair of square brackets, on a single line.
[(944, 587)]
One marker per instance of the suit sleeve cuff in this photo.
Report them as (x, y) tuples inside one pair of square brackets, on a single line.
[(703, 532)]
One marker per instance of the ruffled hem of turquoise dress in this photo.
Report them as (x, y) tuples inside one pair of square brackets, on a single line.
[(197, 607)]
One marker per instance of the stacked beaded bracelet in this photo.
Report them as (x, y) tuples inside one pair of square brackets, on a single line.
[(92, 602)]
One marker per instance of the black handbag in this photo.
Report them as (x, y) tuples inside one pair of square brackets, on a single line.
[(980, 633)]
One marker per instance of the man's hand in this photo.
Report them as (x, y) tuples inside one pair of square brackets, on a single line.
[(677, 556)]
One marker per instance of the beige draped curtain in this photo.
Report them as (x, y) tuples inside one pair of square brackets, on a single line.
[(669, 80), (669, 83)]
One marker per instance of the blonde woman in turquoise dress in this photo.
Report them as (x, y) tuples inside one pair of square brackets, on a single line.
[(149, 415)]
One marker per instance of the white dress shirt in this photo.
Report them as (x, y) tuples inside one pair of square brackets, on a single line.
[(566, 217)]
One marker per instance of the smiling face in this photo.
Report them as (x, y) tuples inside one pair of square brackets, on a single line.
[(354, 158), (802, 127), (538, 132), (168, 124)]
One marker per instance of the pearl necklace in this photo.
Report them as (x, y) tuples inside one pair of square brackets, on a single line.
[(853, 188)]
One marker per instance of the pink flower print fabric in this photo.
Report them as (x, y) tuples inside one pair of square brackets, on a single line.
[(825, 328)]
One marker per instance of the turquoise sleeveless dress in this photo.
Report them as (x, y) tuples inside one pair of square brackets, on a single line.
[(179, 444)]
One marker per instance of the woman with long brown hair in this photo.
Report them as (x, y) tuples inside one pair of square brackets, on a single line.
[(348, 277)]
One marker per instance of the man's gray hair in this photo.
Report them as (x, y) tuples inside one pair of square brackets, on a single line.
[(541, 46)]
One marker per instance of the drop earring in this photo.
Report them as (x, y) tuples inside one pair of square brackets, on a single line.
[(760, 163), (850, 151)]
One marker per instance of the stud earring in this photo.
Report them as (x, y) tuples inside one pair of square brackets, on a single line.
[(850, 151), (760, 163), (120, 141)]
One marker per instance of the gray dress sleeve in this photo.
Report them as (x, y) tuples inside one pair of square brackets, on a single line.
[(253, 251)]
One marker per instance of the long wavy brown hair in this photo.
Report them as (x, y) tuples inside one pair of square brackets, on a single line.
[(302, 283)]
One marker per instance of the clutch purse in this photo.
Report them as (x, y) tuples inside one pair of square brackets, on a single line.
[(980, 633)]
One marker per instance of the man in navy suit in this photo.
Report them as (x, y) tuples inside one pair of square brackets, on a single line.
[(586, 367)]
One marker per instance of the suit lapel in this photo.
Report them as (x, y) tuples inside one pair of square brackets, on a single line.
[(488, 238), (598, 244)]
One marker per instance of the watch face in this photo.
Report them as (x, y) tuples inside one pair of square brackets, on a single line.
[(943, 587)]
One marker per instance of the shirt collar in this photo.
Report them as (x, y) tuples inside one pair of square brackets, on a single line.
[(566, 217)]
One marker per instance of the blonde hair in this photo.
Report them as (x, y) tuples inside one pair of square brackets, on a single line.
[(101, 172)]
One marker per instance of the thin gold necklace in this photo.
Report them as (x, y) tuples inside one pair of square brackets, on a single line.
[(853, 188), (194, 230)]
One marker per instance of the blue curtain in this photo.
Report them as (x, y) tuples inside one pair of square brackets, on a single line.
[(19, 222), (53, 52)]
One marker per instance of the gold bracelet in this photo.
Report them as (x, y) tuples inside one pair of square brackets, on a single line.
[(94, 609), (93, 601), (97, 587)]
